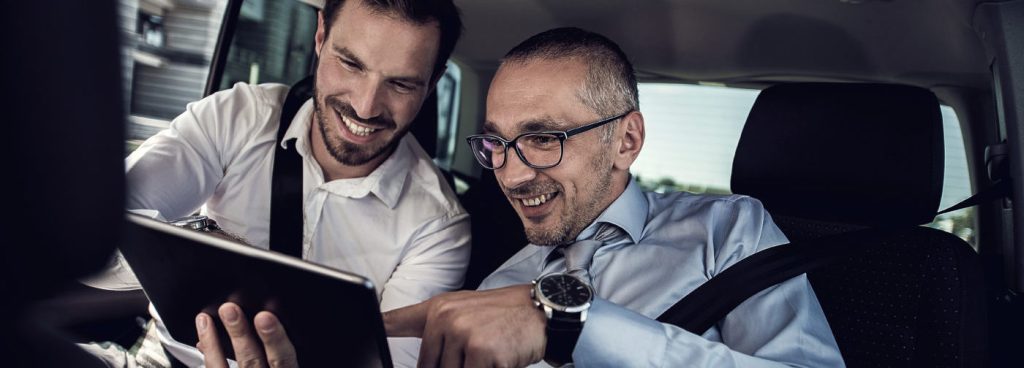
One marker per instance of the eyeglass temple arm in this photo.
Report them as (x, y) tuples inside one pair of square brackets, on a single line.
[(587, 127)]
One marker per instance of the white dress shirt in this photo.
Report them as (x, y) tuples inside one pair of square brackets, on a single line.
[(673, 243), (401, 226)]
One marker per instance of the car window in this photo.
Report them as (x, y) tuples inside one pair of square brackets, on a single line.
[(693, 131), (448, 88), (167, 48), (273, 43)]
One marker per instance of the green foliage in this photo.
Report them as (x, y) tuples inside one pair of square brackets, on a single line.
[(666, 185)]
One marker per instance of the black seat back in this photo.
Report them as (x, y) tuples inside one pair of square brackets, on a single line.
[(496, 228), (828, 158)]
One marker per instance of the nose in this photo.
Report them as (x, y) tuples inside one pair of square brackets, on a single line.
[(367, 99), (515, 171)]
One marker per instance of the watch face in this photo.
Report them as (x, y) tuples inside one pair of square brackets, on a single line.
[(564, 290)]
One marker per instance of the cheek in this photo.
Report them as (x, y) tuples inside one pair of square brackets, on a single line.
[(334, 78), (575, 183), (330, 84), (404, 108)]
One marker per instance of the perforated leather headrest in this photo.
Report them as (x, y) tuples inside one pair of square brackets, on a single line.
[(864, 154)]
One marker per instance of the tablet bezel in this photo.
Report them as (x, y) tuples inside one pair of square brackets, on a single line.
[(169, 262)]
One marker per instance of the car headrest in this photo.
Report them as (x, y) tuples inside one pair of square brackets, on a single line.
[(862, 154)]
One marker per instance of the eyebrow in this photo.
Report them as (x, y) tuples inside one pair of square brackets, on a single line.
[(348, 54), (344, 51), (529, 126)]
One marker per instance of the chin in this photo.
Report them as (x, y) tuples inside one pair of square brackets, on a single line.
[(546, 235)]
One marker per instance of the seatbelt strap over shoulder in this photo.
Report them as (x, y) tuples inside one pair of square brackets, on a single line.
[(286, 219), (713, 300)]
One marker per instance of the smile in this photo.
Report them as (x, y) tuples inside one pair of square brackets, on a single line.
[(356, 129), (536, 201)]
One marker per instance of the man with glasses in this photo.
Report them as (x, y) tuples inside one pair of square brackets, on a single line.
[(604, 259)]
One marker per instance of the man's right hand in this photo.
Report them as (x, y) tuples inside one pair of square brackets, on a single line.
[(493, 328), (272, 349)]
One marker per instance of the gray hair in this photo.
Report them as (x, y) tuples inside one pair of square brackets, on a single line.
[(610, 87)]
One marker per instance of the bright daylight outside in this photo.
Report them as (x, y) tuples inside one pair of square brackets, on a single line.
[(693, 130)]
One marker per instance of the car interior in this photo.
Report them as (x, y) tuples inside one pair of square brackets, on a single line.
[(839, 115)]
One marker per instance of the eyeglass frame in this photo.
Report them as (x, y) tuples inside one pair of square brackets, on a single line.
[(562, 135)]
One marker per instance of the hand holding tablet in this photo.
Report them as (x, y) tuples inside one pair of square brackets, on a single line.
[(332, 317)]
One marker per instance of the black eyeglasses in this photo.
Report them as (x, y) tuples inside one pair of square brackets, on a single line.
[(539, 150)]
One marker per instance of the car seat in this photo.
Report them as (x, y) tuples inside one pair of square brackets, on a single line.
[(829, 158)]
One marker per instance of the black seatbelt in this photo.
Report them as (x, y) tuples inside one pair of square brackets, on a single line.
[(286, 217), (713, 300), (998, 190)]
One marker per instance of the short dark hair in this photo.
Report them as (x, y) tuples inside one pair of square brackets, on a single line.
[(419, 12), (610, 86)]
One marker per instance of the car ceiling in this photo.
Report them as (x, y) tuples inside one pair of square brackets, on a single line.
[(928, 43)]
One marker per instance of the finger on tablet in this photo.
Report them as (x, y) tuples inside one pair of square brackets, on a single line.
[(213, 356), (280, 351), (248, 348)]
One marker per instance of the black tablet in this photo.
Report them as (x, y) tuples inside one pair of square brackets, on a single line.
[(332, 317)]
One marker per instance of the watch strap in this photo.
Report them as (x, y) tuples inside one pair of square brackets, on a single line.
[(563, 332)]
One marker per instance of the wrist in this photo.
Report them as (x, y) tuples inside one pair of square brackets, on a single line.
[(206, 225), (565, 301)]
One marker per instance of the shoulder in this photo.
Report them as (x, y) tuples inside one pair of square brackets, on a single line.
[(243, 100), (731, 227), (242, 113), (677, 205), (268, 94)]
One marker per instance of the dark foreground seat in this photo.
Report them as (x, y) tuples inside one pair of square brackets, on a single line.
[(828, 158), (64, 173)]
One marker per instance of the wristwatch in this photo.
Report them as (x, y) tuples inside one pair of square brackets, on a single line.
[(565, 300), (205, 224), (197, 223)]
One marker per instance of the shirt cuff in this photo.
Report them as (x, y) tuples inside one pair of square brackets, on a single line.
[(611, 330)]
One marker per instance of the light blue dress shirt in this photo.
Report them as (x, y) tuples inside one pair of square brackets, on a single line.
[(672, 244)]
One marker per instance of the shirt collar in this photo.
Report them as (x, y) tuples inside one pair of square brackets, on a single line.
[(386, 182), (628, 212), (299, 127)]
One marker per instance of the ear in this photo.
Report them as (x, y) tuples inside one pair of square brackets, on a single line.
[(631, 140), (321, 33)]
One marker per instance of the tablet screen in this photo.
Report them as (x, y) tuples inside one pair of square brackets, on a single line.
[(332, 317)]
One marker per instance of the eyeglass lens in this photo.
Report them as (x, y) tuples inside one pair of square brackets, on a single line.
[(539, 150)]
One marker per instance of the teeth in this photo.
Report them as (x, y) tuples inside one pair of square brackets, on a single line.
[(536, 201), (357, 129)]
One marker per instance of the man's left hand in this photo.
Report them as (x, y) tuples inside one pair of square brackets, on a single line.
[(493, 328), (271, 348)]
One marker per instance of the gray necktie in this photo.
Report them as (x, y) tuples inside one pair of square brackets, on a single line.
[(579, 255)]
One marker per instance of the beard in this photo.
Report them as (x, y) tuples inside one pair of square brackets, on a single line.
[(574, 218), (346, 152)]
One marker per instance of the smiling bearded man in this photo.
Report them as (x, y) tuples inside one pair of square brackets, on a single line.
[(372, 201)]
